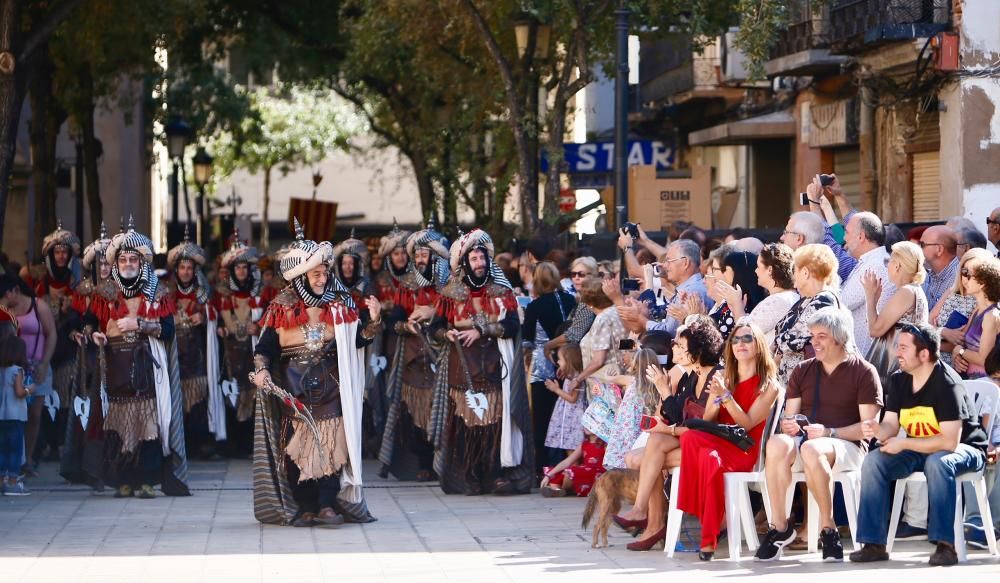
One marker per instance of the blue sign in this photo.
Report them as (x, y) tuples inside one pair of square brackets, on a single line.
[(599, 157)]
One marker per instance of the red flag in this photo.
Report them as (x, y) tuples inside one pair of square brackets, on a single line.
[(318, 217)]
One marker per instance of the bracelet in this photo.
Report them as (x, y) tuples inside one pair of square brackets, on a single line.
[(725, 398)]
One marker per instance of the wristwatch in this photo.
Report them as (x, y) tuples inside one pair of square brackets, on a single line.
[(833, 432), (961, 351)]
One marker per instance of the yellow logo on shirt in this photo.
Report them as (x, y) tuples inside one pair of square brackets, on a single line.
[(919, 422)]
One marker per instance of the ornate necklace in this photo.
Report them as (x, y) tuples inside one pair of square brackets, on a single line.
[(312, 335)]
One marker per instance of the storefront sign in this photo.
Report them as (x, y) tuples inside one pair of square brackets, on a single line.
[(599, 157)]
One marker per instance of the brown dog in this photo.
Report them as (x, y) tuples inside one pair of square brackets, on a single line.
[(607, 494)]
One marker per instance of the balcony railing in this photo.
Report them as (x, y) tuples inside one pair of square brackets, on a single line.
[(805, 29), (857, 25), (668, 67)]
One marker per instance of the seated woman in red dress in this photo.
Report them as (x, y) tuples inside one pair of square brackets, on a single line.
[(578, 472), (743, 396)]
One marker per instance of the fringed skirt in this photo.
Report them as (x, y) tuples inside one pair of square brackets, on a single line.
[(195, 391), (418, 403), (63, 377), (133, 421), (314, 463)]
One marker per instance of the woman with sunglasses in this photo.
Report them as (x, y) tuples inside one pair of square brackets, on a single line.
[(580, 318), (743, 395), (955, 309), (982, 281)]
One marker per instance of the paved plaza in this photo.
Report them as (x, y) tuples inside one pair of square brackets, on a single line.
[(64, 534)]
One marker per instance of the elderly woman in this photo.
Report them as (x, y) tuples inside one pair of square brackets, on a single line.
[(774, 274), (907, 306), (542, 319), (982, 281), (581, 318), (732, 284), (697, 349), (815, 269), (955, 308)]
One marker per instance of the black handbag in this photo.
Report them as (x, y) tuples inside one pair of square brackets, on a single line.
[(672, 408), (734, 434)]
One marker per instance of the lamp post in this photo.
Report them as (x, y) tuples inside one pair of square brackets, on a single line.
[(621, 112), (178, 135), (202, 163), (528, 32)]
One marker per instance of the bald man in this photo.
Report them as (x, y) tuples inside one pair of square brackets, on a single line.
[(939, 245), (993, 228)]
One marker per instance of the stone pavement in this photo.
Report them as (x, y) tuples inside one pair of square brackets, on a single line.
[(63, 534)]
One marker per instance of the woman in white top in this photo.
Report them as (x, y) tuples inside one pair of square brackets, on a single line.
[(774, 274)]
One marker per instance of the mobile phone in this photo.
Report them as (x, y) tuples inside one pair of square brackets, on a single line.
[(647, 422), (626, 344), (826, 179), (523, 301), (657, 272), (804, 198), (630, 284)]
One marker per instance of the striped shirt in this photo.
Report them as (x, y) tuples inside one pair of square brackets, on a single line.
[(938, 284)]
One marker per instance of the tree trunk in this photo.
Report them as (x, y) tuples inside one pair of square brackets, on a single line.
[(43, 147), (527, 184), (12, 90), (425, 186), (557, 129), (90, 156), (265, 228)]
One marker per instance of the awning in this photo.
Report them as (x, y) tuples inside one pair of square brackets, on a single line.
[(780, 124)]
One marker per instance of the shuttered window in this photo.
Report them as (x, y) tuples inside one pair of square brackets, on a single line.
[(847, 167), (926, 186)]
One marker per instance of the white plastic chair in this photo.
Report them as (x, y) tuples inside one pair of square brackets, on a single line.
[(850, 483), (977, 390), (739, 515)]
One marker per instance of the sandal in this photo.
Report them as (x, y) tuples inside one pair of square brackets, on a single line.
[(330, 520), (304, 519), (146, 492), (123, 492), (553, 492), (503, 487), (799, 544), (425, 476)]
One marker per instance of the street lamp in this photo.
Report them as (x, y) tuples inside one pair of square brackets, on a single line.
[(202, 163), (178, 135), (522, 34)]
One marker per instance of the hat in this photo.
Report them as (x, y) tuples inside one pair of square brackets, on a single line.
[(466, 243), (355, 247), (130, 240), (187, 249), (239, 252), (96, 249), (429, 238), (61, 237), (392, 240), (303, 255)]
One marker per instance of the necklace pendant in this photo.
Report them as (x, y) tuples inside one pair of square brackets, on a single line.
[(312, 336)]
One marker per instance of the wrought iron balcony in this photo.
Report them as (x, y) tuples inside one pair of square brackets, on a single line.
[(668, 70), (859, 25)]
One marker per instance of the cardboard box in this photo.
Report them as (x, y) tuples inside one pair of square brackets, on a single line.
[(658, 202)]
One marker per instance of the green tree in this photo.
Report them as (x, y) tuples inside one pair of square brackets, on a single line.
[(289, 127)]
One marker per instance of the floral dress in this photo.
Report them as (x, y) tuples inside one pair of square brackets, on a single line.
[(791, 334), (565, 426), (626, 429), (604, 398)]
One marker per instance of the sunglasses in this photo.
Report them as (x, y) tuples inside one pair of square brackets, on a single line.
[(578, 274), (966, 273), (744, 339), (992, 222), (916, 333)]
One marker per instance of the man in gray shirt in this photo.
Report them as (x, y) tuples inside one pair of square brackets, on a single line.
[(680, 266)]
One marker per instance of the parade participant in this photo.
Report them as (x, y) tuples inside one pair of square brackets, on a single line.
[(240, 302), (144, 426), (480, 418), (54, 282), (313, 339), (395, 264), (406, 450), (196, 327), (83, 455), (350, 259)]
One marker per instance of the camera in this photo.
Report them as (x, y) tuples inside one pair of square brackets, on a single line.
[(804, 198), (626, 344), (826, 179), (631, 229), (630, 285)]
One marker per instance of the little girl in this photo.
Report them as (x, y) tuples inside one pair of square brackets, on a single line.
[(565, 430), (640, 397), (578, 472), (13, 413)]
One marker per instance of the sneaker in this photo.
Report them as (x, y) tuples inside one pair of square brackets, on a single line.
[(124, 491), (943, 556), (774, 542), (16, 489), (146, 492), (870, 554), (833, 549), (907, 532)]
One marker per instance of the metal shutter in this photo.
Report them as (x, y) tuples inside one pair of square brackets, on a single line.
[(847, 167), (926, 186)]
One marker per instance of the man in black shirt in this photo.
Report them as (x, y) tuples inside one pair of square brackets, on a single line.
[(943, 439)]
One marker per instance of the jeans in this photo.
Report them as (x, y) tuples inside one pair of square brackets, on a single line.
[(11, 447), (972, 512), (941, 468)]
